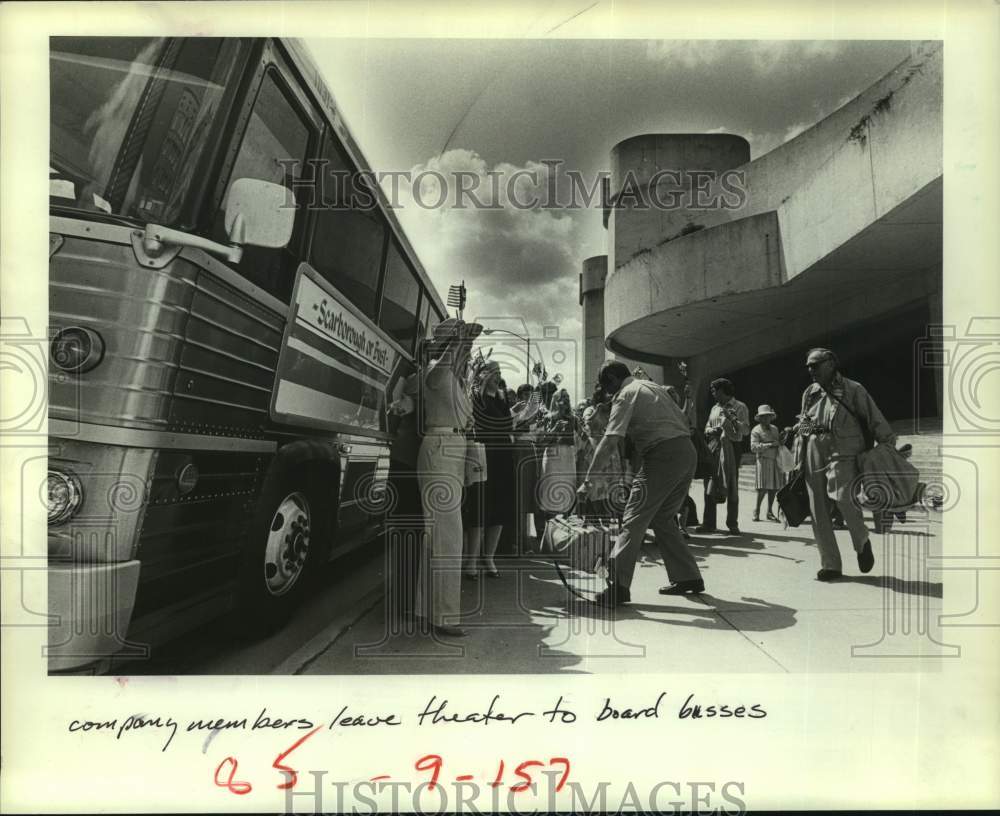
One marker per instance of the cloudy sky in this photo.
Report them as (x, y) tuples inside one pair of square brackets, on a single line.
[(498, 106)]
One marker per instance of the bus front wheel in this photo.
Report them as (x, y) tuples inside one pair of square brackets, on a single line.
[(284, 554)]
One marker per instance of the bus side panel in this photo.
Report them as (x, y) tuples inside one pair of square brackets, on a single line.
[(189, 543), (228, 363)]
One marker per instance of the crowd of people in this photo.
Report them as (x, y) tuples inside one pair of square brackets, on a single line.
[(471, 455)]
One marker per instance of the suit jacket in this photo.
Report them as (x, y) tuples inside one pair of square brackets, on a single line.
[(837, 451)]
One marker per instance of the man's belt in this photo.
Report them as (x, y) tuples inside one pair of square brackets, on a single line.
[(444, 429)]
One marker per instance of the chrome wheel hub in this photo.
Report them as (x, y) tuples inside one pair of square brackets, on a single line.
[(287, 544)]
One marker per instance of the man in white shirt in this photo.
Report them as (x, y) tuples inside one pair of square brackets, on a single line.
[(649, 416), (728, 423)]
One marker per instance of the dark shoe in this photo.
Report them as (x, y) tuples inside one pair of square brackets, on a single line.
[(735, 531), (684, 588), (829, 575), (866, 558), (771, 516), (756, 516), (447, 630), (701, 528), (614, 595)]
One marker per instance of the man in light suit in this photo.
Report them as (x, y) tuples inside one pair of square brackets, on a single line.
[(833, 408)]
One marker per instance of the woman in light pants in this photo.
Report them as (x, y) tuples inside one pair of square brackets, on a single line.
[(446, 413), (441, 466)]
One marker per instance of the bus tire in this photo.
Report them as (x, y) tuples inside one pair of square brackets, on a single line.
[(285, 550)]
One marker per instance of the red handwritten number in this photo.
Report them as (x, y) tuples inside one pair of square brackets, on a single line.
[(565, 776), (520, 772), (430, 762), (496, 782), (233, 786), (291, 773)]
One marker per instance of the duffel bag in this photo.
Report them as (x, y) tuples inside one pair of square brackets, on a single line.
[(888, 480), (577, 543)]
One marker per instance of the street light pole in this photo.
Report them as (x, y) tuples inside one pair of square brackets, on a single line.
[(527, 341)]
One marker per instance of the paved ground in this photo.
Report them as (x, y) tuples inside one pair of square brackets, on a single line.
[(763, 611)]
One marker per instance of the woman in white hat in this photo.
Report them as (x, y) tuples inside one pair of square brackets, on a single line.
[(764, 442)]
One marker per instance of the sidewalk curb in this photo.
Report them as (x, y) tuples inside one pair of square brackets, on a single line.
[(303, 657)]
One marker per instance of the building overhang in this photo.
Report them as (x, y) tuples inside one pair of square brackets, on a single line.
[(730, 285)]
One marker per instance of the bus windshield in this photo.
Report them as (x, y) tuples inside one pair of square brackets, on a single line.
[(130, 119)]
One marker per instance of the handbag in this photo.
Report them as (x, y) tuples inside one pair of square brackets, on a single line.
[(475, 463), (718, 491), (705, 467), (793, 499), (717, 488)]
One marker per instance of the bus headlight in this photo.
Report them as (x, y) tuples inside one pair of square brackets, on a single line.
[(77, 349), (65, 496)]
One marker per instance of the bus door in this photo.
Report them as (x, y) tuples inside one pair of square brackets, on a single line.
[(334, 373)]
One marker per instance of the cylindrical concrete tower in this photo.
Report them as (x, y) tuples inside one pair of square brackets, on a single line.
[(663, 187), (592, 279), (666, 185)]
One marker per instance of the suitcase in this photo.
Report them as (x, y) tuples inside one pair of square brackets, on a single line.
[(582, 545)]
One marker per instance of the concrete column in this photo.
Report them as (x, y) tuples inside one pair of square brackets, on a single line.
[(936, 306), (595, 352), (592, 277)]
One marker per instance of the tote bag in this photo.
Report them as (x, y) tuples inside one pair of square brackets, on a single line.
[(786, 461), (475, 463)]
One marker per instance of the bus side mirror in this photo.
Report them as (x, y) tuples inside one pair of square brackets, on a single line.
[(259, 213)]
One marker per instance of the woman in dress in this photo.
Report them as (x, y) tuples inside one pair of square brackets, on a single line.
[(526, 464), (765, 438), (557, 484), (489, 501)]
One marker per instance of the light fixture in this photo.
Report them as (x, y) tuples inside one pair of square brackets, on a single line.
[(65, 496), (77, 349)]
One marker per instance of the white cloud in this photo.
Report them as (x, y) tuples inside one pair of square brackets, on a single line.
[(795, 129), (689, 53), (764, 56), (517, 262)]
